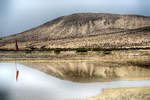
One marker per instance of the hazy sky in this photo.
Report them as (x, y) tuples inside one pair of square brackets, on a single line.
[(19, 15)]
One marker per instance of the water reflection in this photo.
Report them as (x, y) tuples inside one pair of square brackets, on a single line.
[(36, 85)]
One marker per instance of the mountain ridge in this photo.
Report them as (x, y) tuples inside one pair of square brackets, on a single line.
[(81, 25)]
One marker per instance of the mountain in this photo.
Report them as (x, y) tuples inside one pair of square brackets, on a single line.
[(85, 30)]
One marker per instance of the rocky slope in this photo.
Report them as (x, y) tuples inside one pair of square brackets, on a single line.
[(85, 30)]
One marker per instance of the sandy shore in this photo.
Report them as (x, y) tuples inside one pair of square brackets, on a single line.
[(138, 93)]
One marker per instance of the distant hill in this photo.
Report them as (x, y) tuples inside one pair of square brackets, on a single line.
[(85, 30)]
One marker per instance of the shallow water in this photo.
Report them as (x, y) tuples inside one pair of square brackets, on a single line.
[(36, 85)]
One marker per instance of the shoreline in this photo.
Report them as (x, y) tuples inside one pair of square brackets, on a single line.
[(86, 66), (134, 93)]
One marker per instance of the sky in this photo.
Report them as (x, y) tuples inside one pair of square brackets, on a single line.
[(19, 15)]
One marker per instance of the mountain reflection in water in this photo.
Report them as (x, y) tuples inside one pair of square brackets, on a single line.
[(36, 85)]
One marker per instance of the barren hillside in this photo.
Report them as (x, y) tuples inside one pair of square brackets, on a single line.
[(85, 30)]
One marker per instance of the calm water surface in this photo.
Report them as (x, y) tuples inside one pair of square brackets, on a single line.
[(36, 85)]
